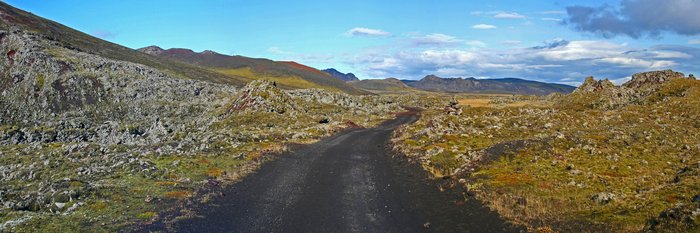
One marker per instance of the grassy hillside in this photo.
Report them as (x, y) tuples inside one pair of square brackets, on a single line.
[(390, 85), (259, 69), (246, 74)]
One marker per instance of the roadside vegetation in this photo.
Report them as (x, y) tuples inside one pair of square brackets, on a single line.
[(594, 160)]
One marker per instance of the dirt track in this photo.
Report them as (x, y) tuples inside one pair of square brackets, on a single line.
[(345, 183)]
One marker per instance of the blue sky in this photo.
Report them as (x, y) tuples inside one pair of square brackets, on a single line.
[(555, 41)]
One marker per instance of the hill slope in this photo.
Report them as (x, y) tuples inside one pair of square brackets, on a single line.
[(490, 86), (290, 75), (340, 75), (382, 85), (13, 18)]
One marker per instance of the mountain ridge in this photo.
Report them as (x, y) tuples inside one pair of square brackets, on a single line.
[(340, 75), (487, 86), (288, 73)]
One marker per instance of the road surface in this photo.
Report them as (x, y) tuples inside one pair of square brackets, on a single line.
[(345, 183)]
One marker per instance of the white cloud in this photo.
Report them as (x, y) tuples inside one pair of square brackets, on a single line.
[(277, 50), (475, 43), (361, 31), (670, 54), (436, 39), (552, 19), (451, 72), (508, 15), (636, 62), (447, 57), (511, 42), (694, 41), (483, 26), (578, 50)]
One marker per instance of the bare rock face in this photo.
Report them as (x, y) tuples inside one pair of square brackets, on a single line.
[(652, 78), (591, 85), (152, 50)]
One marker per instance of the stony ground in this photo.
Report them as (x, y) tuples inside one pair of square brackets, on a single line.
[(94, 144), (604, 158)]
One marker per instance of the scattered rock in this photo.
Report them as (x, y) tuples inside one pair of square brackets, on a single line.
[(453, 107), (603, 198)]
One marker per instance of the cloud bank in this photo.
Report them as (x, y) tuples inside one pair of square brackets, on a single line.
[(637, 18), (556, 60)]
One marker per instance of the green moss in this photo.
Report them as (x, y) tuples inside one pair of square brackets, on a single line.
[(40, 81)]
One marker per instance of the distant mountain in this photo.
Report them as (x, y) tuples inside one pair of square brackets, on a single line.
[(490, 86), (290, 75), (382, 85), (339, 75)]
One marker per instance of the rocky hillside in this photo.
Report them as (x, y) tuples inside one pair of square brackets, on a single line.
[(488, 86), (342, 76), (14, 19), (289, 75), (98, 137), (605, 158), (389, 85)]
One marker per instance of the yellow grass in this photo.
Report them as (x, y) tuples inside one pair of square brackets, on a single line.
[(486, 102), (475, 102), (293, 82)]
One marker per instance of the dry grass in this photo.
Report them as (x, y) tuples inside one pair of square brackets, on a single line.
[(475, 102), (492, 101), (290, 82)]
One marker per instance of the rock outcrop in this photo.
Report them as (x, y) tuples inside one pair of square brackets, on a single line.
[(652, 79), (260, 95), (591, 85), (604, 94), (152, 50)]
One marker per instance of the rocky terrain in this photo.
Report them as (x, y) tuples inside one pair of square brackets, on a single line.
[(604, 158), (91, 142), (488, 86), (342, 76)]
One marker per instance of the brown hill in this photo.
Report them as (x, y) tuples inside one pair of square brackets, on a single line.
[(288, 74)]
